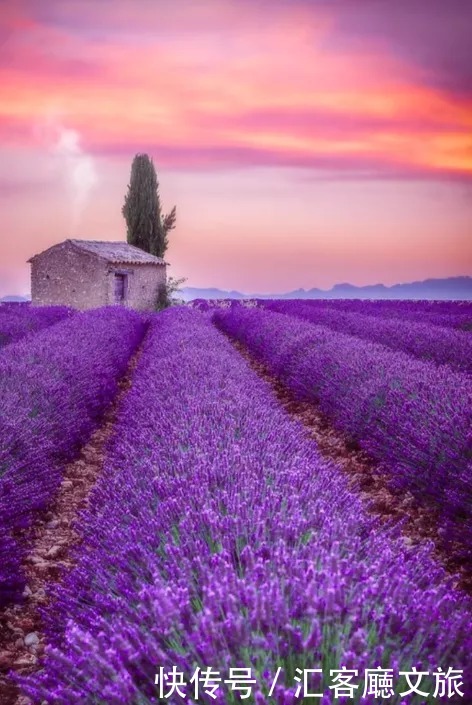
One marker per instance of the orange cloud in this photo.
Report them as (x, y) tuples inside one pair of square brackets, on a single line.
[(194, 92)]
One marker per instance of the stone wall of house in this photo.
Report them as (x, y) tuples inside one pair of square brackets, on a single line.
[(65, 276), (142, 284)]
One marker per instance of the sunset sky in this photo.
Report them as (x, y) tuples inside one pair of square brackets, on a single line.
[(304, 142)]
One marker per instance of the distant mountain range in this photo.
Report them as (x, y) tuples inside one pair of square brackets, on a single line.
[(14, 299), (452, 288)]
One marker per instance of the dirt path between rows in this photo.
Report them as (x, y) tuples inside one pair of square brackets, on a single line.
[(52, 539), (365, 477)]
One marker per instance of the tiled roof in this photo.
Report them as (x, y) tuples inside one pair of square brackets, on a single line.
[(116, 252)]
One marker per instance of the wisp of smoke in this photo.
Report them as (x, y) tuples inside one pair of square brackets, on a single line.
[(80, 171), (77, 167)]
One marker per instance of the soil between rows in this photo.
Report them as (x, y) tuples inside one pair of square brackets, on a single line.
[(365, 476), (52, 539)]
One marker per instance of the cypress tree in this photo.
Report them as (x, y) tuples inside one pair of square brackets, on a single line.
[(146, 227)]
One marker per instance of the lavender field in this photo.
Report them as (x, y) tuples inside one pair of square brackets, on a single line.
[(217, 554), (19, 321)]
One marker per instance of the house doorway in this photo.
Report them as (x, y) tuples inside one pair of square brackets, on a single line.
[(121, 286)]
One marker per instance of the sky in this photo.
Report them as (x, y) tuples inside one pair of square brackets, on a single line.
[(304, 142)]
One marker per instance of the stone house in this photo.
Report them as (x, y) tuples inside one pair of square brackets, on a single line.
[(88, 274)]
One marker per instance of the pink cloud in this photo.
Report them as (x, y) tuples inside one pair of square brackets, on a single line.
[(279, 90), (216, 94)]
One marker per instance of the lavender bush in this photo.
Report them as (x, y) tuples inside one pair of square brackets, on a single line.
[(205, 305), (444, 346), (411, 416), (53, 388), (18, 321), (217, 537)]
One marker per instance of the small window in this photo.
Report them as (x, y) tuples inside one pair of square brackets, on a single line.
[(120, 287)]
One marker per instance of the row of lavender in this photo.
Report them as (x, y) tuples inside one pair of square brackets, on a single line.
[(448, 314), (53, 388), (411, 416), (18, 321), (217, 538), (405, 306), (443, 346)]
